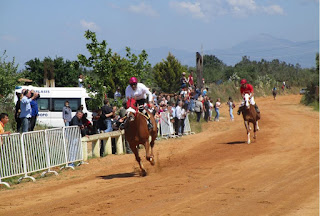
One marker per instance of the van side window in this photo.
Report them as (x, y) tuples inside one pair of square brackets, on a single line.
[(58, 103), (43, 103)]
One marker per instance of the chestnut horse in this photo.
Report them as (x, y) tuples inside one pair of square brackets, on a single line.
[(136, 132), (250, 115)]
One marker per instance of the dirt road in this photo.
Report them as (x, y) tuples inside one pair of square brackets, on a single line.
[(211, 173)]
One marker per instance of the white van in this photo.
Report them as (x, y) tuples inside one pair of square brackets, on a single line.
[(52, 101)]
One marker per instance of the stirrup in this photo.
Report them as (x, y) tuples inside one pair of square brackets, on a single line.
[(150, 126)]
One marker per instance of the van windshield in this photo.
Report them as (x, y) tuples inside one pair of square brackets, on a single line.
[(58, 103)]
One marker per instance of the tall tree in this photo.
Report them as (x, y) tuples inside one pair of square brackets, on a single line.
[(167, 74), (213, 68), (8, 76), (64, 73), (109, 70)]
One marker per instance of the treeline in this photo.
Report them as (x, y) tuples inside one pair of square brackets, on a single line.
[(105, 70)]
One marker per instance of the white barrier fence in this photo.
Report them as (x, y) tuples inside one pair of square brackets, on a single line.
[(38, 151), (167, 127), (30, 152)]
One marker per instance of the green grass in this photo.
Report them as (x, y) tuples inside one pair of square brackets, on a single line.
[(196, 127)]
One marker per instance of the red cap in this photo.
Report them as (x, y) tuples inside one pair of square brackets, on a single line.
[(133, 80), (243, 81)]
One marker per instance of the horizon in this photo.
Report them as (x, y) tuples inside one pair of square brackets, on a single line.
[(30, 30)]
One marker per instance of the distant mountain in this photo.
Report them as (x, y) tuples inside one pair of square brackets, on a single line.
[(263, 46)]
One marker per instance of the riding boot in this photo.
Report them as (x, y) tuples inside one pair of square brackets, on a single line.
[(239, 112), (150, 126), (257, 108)]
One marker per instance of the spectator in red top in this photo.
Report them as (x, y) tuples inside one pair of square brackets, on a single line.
[(247, 89), (190, 79)]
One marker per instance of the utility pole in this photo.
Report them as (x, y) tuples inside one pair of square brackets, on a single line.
[(199, 68)]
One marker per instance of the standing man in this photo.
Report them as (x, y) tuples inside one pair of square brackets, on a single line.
[(66, 114), (77, 121), (18, 111), (34, 111), (26, 110), (106, 115)]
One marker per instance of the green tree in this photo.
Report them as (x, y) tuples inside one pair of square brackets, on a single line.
[(167, 74), (34, 71), (64, 73), (213, 68), (109, 70), (8, 76)]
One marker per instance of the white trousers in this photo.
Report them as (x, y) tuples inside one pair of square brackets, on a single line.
[(251, 101)]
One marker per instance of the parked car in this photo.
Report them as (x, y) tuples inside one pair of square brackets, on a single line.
[(303, 91)]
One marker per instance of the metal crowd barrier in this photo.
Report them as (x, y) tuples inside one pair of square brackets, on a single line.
[(167, 129), (73, 143), (187, 128), (10, 157), (166, 126), (38, 151)]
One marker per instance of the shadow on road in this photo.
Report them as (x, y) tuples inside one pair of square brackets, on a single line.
[(236, 142), (120, 175)]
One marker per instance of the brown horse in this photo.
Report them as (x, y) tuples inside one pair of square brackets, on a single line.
[(250, 115), (136, 132)]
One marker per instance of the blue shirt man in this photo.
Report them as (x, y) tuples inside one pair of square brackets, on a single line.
[(26, 111)]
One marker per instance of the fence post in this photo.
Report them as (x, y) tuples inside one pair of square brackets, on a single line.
[(84, 148), (96, 148), (108, 146), (119, 145)]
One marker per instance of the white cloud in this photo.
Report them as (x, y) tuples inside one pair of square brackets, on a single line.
[(188, 8), (89, 25), (144, 9), (273, 9), (208, 9)]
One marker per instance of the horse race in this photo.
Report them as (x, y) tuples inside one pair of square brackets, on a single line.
[(159, 108)]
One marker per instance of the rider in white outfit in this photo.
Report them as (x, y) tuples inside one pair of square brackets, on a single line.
[(139, 92)]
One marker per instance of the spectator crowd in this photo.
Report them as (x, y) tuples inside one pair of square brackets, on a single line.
[(189, 99)]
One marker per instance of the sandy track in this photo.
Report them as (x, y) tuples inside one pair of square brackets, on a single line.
[(211, 173)]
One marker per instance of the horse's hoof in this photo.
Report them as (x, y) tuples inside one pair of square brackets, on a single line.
[(143, 173), (151, 160), (249, 142), (255, 137)]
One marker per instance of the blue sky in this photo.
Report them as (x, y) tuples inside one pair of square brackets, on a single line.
[(38, 28)]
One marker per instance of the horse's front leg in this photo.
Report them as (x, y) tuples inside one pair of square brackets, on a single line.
[(138, 159), (148, 155), (246, 123), (255, 130)]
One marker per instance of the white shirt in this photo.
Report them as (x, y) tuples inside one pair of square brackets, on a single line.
[(141, 92)]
